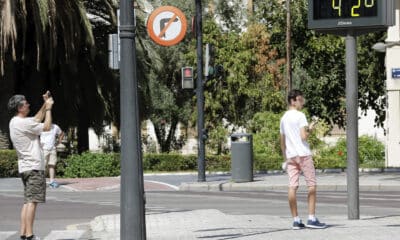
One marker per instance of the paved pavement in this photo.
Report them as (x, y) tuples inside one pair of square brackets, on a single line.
[(215, 225)]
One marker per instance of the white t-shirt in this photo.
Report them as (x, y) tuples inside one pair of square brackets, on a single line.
[(24, 133), (291, 123), (48, 138)]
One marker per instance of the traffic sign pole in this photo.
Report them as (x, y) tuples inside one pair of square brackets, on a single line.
[(200, 95), (132, 211)]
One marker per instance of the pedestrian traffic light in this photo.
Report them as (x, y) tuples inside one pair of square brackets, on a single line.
[(187, 78), (209, 61), (204, 133), (211, 69)]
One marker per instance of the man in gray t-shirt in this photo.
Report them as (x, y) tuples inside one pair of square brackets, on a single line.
[(24, 134)]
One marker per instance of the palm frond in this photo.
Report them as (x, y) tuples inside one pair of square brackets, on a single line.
[(8, 30)]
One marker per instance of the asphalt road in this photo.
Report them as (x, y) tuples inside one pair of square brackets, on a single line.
[(275, 203), (66, 208), (57, 213)]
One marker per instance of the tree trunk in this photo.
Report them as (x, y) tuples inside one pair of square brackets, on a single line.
[(83, 136), (164, 140), (250, 7), (83, 129)]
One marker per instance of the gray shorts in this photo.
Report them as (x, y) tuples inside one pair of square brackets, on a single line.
[(34, 186)]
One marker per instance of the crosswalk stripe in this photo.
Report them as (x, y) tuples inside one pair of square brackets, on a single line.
[(65, 234), (5, 235)]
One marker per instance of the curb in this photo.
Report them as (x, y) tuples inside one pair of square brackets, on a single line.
[(318, 170), (251, 187)]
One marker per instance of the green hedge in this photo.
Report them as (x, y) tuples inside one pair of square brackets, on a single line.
[(371, 154), (92, 165), (97, 164), (8, 163)]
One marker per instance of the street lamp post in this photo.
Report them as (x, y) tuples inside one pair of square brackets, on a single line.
[(132, 191)]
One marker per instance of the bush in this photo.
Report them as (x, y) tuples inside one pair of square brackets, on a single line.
[(265, 129), (169, 162), (263, 162), (371, 154), (8, 163), (92, 165), (218, 162)]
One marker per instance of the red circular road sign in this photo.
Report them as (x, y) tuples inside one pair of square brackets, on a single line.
[(167, 25)]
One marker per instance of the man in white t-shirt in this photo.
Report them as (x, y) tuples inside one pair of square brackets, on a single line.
[(48, 141), (24, 134), (294, 130)]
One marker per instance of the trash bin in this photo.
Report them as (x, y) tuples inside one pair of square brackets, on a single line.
[(242, 157)]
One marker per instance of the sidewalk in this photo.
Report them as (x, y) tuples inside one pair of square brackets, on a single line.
[(215, 225), (325, 182)]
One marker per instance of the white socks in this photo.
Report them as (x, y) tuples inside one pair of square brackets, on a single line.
[(311, 217)]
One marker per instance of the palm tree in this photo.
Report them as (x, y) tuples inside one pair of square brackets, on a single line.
[(50, 44)]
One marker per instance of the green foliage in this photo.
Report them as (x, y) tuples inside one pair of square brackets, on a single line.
[(371, 151), (92, 165), (165, 103), (8, 163), (253, 81), (318, 62), (231, 14), (70, 61), (218, 162), (266, 137), (169, 162), (168, 103), (331, 157), (217, 139), (264, 162), (371, 154)]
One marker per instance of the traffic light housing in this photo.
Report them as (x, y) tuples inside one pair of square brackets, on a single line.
[(187, 78), (211, 69)]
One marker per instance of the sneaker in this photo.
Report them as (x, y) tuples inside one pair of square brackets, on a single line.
[(297, 225), (315, 224), (54, 184)]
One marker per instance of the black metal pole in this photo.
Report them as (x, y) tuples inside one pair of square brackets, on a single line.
[(353, 204), (288, 47), (133, 224), (200, 94)]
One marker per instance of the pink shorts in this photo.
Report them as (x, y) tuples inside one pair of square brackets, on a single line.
[(297, 165)]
